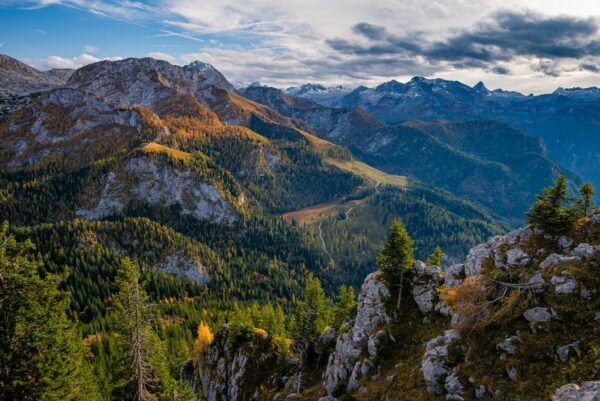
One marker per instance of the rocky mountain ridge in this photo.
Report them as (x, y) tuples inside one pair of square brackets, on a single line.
[(450, 155), (566, 118), (526, 330)]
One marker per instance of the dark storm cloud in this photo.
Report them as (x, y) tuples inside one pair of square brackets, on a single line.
[(504, 36), (501, 70), (370, 31), (589, 67)]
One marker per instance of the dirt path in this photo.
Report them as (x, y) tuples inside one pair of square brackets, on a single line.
[(346, 217), (324, 246)]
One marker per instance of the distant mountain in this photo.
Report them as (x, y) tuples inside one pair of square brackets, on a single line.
[(485, 161), (327, 96), (19, 78), (142, 137), (20, 84), (567, 119)]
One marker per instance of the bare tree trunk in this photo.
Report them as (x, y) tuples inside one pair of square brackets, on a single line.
[(400, 289)]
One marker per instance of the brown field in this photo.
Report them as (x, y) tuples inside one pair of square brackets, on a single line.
[(153, 147), (314, 213)]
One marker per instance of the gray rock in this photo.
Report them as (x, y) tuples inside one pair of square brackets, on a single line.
[(508, 345), (596, 218), (565, 243), (434, 362), (181, 265), (328, 398), (512, 373), (480, 392), (344, 362), (517, 257), (453, 275), (538, 314), (564, 351), (537, 279), (155, 181), (425, 282), (585, 251), (328, 337), (492, 249), (563, 285), (589, 391), (452, 385), (390, 378), (557, 260)]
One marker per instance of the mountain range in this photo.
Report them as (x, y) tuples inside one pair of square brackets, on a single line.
[(230, 200), (566, 119)]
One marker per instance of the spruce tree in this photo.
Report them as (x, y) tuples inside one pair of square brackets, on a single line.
[(435, 259), (345, 306), (41, 356), (552, 211), (585, 203), (396, 258), (145, 373)]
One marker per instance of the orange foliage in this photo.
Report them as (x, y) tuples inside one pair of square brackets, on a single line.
[(468, 303)]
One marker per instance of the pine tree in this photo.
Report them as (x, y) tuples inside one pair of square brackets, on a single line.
[(585, 203), (345, 306), (396, 258), (41, 356), (552, 211), (309, 321), (141, 343), (435, 259)]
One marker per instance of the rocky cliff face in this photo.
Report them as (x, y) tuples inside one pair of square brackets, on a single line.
[(152, 179), (533, 328), (145, 82), (236, 367), (71, 125)]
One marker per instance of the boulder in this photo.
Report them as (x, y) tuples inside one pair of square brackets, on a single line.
[(563, 285), (453, 275), (434, 362), (538, 314), (517, 257), (565, 243), (585, 251), (508, 345), (492, 249), (453, 387), (589, 391), (564, 351), (425, 282), (556, 259), (344, 365)]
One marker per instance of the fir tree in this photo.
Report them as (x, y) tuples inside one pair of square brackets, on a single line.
[(41, 357), (396, 258), (345, 306), (435, 259), (146, 369), (585, 203), (552, 211)]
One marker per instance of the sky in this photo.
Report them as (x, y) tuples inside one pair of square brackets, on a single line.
[(533, 46)]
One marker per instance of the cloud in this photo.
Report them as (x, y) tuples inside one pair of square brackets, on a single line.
[(504, 36), (90, 49), (163, 56), (530, 43), (40, 31), (72, 63), (589, 67), (500, 70)]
